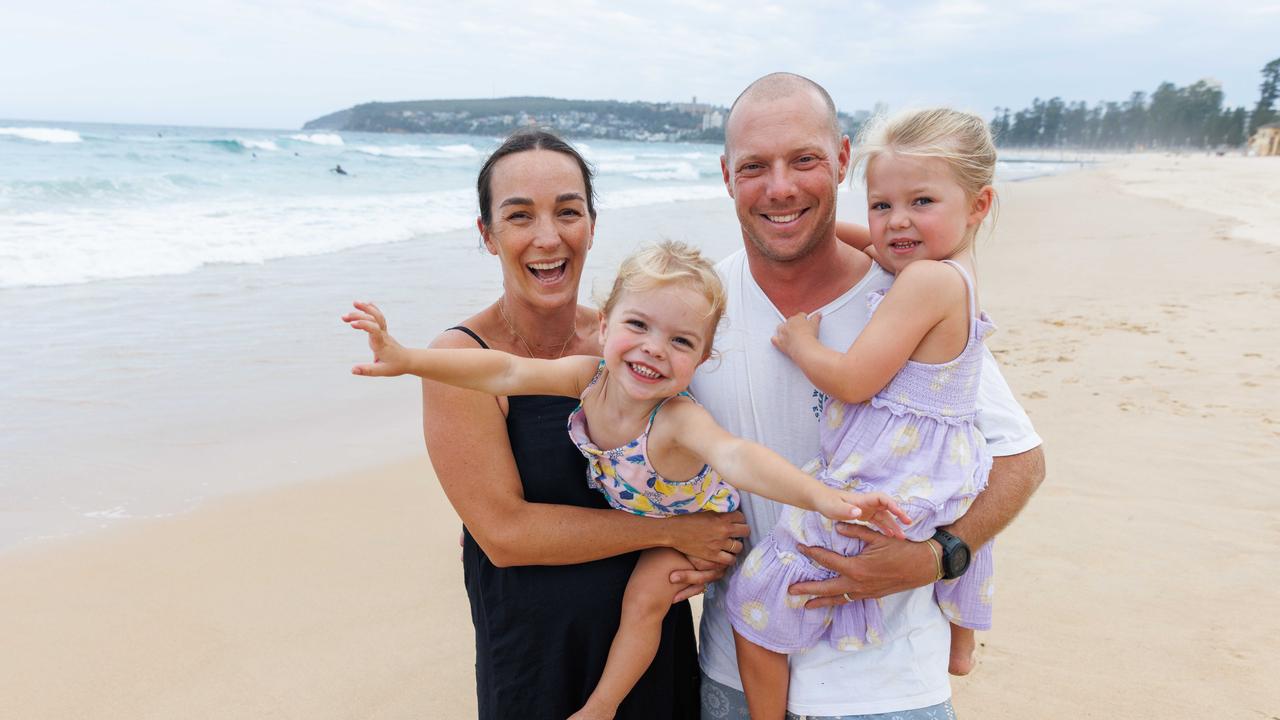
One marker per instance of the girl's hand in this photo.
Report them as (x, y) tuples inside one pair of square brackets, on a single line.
[(880, 510), (876, 508), (797, 329), (389, 356)]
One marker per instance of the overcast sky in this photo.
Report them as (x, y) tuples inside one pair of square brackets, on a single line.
[(277, 64)]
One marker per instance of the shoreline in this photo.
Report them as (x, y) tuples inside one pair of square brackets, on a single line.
[(1142, 358)]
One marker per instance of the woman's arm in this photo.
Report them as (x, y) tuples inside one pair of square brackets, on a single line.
[(755, 468), (919, 299), (466, 436), (488, 371)]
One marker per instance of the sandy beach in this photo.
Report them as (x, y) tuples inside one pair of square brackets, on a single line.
[(1138, 302)]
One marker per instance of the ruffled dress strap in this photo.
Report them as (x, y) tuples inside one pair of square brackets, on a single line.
[(594, 379), (654, 414)]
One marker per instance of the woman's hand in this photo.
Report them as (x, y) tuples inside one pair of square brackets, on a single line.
[(389, 357), (709, 536), (798, 329)]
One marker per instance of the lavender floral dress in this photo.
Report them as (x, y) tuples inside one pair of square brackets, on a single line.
[(914, 440)]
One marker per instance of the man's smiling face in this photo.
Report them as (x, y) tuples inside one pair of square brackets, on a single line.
[(782, 165)]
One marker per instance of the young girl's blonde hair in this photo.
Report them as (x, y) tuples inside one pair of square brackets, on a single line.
[(669, 262), (962, 140)]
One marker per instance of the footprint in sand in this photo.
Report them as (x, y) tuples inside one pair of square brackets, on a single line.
[(1036, 395)]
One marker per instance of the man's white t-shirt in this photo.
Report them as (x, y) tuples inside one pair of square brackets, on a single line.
[(756, 392)]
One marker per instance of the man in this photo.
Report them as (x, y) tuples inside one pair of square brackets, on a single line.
[(784, 159)]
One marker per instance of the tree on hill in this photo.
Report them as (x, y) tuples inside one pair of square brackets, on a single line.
[(1171, 117), (1264, 112)]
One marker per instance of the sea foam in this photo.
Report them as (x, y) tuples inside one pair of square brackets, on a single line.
[(39, 134), (318, 138)]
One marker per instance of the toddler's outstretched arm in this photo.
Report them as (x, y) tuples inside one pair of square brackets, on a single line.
[(488, 371), (755, 468)]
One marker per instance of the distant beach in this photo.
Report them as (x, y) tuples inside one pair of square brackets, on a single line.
[(202, 514)]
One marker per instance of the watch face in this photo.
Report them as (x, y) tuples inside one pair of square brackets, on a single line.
[(959, 561)]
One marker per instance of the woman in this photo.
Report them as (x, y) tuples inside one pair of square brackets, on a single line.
[(545, 560)]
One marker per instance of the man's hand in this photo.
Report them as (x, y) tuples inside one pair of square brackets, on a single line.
[(695, 581), (885, 566)]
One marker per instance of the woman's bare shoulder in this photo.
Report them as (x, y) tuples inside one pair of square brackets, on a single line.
[(453, 338)]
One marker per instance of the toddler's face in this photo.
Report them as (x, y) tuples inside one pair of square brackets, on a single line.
[(916, 210), (654, 340)]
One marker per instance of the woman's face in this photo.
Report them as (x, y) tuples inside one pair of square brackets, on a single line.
[(540, 227)]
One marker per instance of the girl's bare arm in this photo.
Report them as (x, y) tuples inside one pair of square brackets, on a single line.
[(488, 371), (917, 302), (755, 468)]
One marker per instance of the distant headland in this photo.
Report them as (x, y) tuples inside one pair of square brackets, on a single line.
[(641, 121)]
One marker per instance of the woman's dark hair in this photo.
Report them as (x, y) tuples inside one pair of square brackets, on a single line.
[(521, 141)]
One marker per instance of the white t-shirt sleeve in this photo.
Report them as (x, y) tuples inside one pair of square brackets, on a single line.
[(1000, 418)]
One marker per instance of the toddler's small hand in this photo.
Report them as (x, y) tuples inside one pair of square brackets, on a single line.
[(797, 328), (386, 351), (880, 510), (838, 505)]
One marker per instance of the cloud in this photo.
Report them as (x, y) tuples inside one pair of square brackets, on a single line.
[(280, 62)]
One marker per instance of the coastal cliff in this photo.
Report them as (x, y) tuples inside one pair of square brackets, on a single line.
[(692, 121)]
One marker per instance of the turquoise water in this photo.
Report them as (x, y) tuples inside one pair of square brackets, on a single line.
[(89, 202), (84, 202)]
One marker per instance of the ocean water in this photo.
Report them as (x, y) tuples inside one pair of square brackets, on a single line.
[(85, 202), (169, 299), (175, 199)]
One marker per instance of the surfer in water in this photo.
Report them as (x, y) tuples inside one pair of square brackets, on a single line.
[(338, 169)]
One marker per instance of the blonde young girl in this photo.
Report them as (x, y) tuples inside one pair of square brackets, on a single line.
[(651, 449), (899, 407)]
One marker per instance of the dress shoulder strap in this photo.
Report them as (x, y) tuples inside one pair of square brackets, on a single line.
[(594, 379), (968, 284), (656, 408), (472, 333)]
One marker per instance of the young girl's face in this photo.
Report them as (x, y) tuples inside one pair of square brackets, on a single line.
[(654, 339), (916, 210)]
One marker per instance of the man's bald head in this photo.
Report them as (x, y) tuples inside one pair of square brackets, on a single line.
[(776, 86)]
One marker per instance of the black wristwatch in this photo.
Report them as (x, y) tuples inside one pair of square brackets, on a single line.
[(955, 554)]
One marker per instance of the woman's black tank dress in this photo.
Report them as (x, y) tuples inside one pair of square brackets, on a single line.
[(543, 632)]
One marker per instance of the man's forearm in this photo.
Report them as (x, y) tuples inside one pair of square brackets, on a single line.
[(1014, 478)]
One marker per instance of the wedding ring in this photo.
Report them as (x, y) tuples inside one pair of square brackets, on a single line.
[(847, 598)]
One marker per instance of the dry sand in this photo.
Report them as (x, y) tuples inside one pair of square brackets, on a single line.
[(1141, 333)]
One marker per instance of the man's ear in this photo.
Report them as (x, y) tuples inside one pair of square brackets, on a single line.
[(728, 175), (843, 156)]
